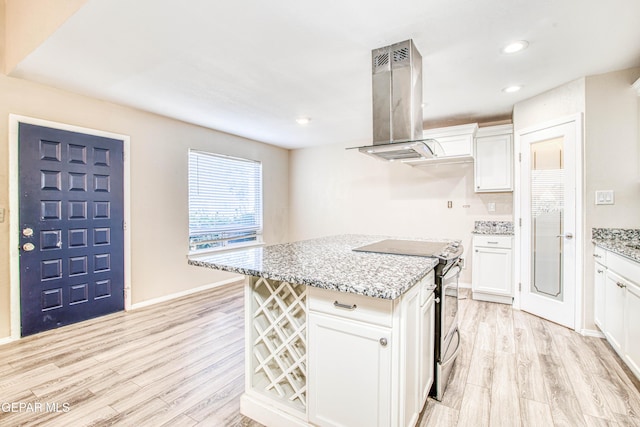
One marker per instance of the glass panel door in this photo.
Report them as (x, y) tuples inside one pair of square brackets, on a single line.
[(547, 217)]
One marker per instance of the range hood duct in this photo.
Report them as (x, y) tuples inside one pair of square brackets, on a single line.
[(397, 104)]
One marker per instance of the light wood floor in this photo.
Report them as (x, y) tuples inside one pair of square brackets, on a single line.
[(515, 369), (180, 363)]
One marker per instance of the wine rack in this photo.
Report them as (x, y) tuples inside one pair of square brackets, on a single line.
[(279, 350)]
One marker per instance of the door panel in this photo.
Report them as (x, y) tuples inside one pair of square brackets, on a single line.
[(71, 219), (548, 209)]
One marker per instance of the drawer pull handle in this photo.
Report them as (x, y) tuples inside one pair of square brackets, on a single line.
[(600, 271), (621, 285), (383, 342), (492, 243), (597, 256), (345, 306)]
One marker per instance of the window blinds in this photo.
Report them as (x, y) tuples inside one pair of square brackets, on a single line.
[(225, 200)]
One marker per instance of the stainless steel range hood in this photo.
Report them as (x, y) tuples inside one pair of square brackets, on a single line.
[(397, 105)]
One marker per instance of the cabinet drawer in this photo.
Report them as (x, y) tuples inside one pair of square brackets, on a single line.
[(624, 267), (600, 255), (377, 311), (490, 241)]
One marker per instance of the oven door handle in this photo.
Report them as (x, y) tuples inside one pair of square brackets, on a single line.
[(455, 353), (453, 272)]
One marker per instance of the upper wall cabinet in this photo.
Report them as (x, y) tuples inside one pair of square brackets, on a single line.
[(493, 153)]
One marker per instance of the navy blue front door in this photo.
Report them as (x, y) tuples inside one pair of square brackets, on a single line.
[(71, 219)]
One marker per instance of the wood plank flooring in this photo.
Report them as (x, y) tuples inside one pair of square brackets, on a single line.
[(180, 363), (525, 371)]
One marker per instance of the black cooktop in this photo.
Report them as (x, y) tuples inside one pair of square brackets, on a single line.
[(409, 247)]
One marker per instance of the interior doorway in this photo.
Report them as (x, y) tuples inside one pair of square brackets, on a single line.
[(549, 214)]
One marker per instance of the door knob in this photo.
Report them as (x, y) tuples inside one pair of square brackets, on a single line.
[(27, 232), (566, 235), (28, 247)]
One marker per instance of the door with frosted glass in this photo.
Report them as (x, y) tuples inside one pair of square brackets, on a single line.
[(548, 210)]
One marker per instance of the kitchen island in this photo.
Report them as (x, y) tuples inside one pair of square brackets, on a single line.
[(334, 336)]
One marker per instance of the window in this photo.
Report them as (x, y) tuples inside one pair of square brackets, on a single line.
[(225, 201)]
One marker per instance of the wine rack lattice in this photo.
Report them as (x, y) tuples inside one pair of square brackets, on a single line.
[(279, 320)]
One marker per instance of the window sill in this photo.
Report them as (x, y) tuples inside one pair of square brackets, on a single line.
[(204, 252)]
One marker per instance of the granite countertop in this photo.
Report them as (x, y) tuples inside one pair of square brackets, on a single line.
[(501, 228), (328, 263), (622, 241)]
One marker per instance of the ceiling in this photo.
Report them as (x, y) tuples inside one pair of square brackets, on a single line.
[(251, 67)]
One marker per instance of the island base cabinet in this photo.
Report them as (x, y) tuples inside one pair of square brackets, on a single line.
[(349, 373), (426, 349), (366, 362)]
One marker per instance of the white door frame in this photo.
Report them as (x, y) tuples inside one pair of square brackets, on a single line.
[(14, 204), (579, 218)]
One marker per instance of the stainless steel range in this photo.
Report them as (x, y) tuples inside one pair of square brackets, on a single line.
[(447, 272)]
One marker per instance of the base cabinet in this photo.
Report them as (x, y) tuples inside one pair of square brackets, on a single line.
[(632, 338), (614, 298), (427, 313), (349, 359), (370, 361), (617, 304), (600, 279), (492, 272)]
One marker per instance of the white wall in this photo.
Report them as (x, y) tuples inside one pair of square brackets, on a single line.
[(559, 102), (159, 211), (334, 191), (610, 151), (612, 157)]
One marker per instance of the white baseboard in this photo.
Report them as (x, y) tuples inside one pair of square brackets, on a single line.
[(592, 333), (266, 414), (7, 340), (464, 285), (184, 293)]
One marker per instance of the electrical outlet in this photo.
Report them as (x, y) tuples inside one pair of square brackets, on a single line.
[(605, 197), (1, 215)]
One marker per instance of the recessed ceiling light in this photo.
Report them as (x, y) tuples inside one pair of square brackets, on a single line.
[(511, 89), (516, 46), (303, 120)]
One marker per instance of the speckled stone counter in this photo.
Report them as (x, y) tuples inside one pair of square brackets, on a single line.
[(622, 241), (494, 227), (328, 263)]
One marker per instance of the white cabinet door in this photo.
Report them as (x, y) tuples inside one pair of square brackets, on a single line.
[(492, 271), (614, 299), (410, 360), (599, 295), (426, 349), (349, 372), (632, 327), (494, 163)]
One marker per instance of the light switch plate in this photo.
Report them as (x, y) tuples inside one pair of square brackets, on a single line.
[(605, 197), (491, 206)]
